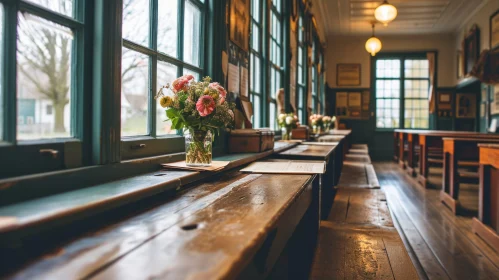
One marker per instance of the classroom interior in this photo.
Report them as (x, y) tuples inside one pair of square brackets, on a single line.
[(249, 139)]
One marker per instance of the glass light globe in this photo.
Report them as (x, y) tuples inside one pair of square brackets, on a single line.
[(385, 13), (373, 45)]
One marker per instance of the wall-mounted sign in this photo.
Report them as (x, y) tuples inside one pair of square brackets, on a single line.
[(348, 74)]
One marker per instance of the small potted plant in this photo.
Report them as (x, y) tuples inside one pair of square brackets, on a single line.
[(199, 109), (287, 122)]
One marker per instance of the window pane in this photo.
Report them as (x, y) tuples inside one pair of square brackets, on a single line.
[(134, 93), (416, 69), (257, 111), (43, 78), (388, 68), (167, 72), (273, 110), (64, 7), (136, 21), (255, 11), (192, 33), (1, 73), (255, 42), (193, 73), (167, 27)]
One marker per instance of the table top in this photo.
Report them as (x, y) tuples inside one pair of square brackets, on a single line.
[(309, 151), (490, 146)]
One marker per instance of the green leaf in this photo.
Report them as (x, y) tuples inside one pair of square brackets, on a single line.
[(171, 113)]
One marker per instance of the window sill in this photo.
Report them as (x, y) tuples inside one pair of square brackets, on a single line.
[(22, 218)]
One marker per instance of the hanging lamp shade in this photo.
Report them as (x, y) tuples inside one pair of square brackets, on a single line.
[(373, 44), (385, 13)]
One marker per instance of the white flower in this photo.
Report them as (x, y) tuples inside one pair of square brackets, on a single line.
[(281, 117), (289, 120)]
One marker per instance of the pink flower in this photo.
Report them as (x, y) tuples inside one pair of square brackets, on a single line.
[(205, 105), (219, 88), (181, 82), (221, 100)]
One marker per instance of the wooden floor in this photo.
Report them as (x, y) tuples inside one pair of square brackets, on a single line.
[(443, 244)]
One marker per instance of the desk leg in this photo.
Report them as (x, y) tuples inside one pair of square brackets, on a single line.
[(484, 225), (401, 150), (450, 185), (423, 165), (410, 156)]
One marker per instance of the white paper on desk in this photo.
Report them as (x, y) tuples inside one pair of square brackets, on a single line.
[(321, 143), (286, 167), (244, 81), (233, 78), (215, 166)]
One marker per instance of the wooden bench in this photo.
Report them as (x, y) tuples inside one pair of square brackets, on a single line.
[(332, 155), (232, 226), (359, 240), (459, 152), (487, 223)]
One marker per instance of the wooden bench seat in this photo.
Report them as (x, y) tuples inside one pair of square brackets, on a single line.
[(360, 146), (358, 158)]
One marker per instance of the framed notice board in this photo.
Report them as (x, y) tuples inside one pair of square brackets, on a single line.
[(348, 74)]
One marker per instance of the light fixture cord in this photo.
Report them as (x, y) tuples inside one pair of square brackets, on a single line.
[(373, 29)]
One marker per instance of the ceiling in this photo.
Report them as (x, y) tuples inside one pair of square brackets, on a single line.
[(353, 17)]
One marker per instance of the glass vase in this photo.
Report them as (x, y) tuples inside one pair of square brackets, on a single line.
[(198, 148), (286, 133)]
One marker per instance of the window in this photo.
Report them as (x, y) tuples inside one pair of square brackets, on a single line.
[(401, 87), (256, 58), (314, 80), (42, 57), (45, 51), (159, 45), (301, 70), (275, 50)]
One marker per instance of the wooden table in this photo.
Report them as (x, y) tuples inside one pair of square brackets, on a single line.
[(329, 179), (487, 224), (458, 152)]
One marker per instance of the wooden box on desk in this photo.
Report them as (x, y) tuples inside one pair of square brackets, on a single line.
[(251, 140), (300, 133)]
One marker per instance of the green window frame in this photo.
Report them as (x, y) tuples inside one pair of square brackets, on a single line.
[(147, 143), (256, 62), (301, 69), (41, 21), (276, 71), (401, 91)]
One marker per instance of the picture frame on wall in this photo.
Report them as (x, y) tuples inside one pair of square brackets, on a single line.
[(348, 74), (494, 31), (471, 49), (239, 24)]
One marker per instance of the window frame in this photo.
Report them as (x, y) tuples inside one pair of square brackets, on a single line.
[(401, 57), (46, 154), (301, 45), (150, 145), (271, 64), (257, 54)]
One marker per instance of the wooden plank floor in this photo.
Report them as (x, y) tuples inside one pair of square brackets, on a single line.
[(444, 244)]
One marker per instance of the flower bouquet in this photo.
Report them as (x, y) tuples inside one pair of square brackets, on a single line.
[(200, 109), (287, 122), (316, 122), (328, 121)]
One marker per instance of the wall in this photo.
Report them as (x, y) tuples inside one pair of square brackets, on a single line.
[(351, 49)]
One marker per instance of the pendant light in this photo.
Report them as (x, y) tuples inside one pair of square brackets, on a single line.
[(373, 44), (385, 13)]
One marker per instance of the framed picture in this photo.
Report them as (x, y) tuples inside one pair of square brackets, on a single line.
[(494, 105), (348, 74), (239, 23), (471, 49), (494, 30), (465, 105)]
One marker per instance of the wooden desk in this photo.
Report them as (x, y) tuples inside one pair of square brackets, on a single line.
[(457, 152), (487, 224), (327, 180), (230, 226), (434, 140)]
